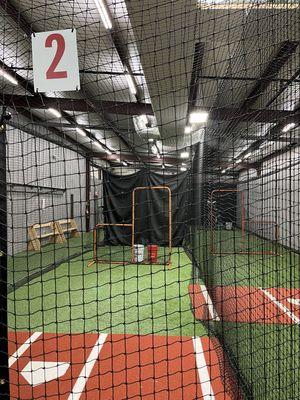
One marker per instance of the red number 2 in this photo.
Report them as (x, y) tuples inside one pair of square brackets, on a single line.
[(60, 41)]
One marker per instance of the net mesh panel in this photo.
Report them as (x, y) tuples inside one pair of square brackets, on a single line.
[(201, 97)]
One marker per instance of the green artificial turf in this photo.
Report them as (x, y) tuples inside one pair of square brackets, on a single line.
[(23, 264), (134, 299)]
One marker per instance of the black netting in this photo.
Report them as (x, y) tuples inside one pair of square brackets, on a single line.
[(149, 207)]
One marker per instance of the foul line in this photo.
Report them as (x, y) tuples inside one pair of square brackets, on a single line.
[(203, 373), (21, 350), (281, 306), (212, 311), (87, 368)]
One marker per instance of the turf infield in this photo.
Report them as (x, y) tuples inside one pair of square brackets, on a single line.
[(138, 299)]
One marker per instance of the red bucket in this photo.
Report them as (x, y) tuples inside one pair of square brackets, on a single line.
[(152, 253)]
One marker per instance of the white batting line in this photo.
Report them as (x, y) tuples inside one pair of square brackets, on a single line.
[(211, 309), (203, 373), (21, 350), (87, 368), (293, 317)]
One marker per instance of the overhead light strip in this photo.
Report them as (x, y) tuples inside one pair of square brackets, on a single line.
[(103, 14)]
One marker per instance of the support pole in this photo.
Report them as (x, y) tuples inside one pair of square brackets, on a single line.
[(4, 372), (87, 194)]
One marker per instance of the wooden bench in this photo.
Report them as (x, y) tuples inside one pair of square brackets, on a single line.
[(67, 225), (36, 232), (55, 231)]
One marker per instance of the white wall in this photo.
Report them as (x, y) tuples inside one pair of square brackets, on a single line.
[(275, 195), (34, 161)]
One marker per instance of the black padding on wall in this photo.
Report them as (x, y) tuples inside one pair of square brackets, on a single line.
[(151, 207)]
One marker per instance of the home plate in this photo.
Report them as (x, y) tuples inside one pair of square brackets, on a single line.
[(40, 372)]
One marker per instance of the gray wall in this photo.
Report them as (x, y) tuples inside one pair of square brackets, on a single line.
[(34, 161), (275, 196)]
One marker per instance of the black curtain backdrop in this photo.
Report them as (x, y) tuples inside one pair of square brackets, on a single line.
[(151, 211)]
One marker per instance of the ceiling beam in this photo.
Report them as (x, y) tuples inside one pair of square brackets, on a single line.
[(283, 54), (125, 108), (27, 28)]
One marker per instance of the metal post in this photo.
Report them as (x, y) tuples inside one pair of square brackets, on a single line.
[(87, 194), (4, 372)]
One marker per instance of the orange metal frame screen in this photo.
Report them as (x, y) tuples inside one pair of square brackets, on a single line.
[(243, 226), (169, 214), (95, 255), (132, 225)]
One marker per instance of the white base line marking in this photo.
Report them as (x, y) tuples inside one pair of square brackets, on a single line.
[(212, 311), (21, 350), (203, 373), (293, 317), (87, 368)]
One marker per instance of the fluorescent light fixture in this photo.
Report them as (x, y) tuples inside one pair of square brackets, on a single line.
[(80, 131), (248, 155), (187, 129), (151, 140), (124, 163), (198, 117), (98, 145), (264, 144), (131, 83), (183, 164), (238, 161), (143, 119), (154, 149), (184, 154), (103, 14), (54, 112), (182, 169), (8, 77), (288, 127)]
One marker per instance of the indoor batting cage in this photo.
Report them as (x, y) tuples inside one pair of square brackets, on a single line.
[(149, 207)]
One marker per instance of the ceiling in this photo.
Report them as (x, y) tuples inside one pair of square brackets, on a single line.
[(183, 56)]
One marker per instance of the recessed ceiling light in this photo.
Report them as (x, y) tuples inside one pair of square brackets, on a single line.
[(131, 83), (288, 127), (8, 77), (182, 168), (184, 154), (198, 117), (80, 131), (54, 112), (103, 14), (223, 171), (187, 129), (150, 140)]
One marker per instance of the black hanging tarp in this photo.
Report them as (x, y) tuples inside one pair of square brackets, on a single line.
[(151, 211)]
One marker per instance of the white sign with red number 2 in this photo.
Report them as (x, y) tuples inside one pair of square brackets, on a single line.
[(55, 61)]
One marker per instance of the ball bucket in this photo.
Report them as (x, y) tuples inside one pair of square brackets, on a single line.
[(152, 253), (138, 253)]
